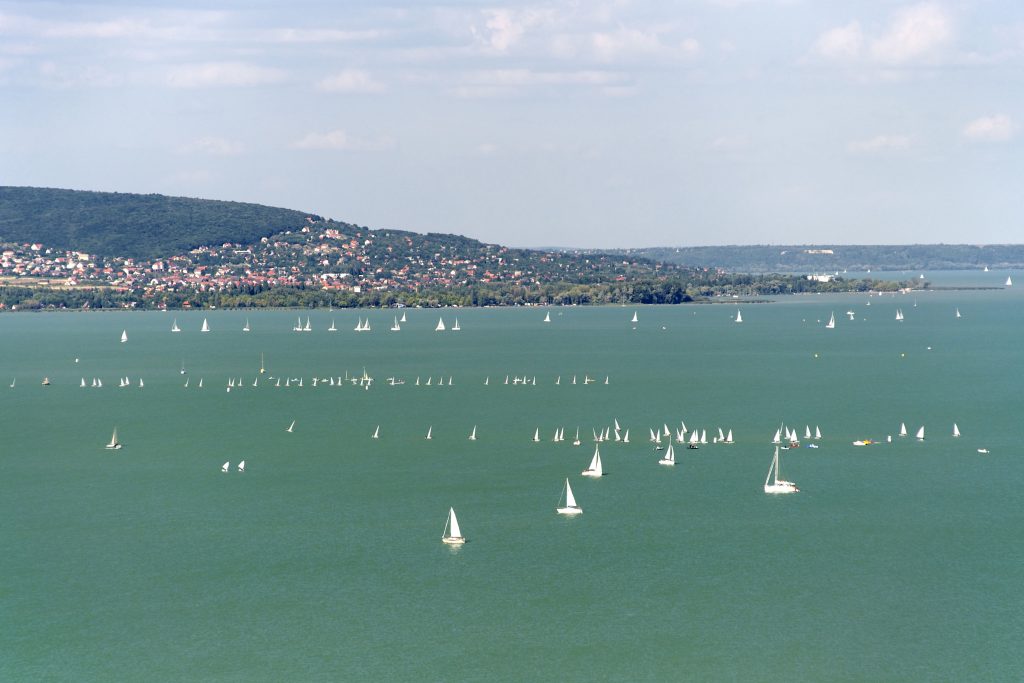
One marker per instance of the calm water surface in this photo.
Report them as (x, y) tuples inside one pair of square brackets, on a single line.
[(323, 561)]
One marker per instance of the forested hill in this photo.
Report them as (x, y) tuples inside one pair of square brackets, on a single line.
[(133, 225), (807, 258)]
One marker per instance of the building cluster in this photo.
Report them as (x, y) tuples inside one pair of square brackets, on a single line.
[(323, 255)]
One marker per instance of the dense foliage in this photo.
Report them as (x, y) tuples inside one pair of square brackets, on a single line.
[(134, 225)]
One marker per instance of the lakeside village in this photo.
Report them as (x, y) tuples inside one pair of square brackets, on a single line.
[(377, 267)]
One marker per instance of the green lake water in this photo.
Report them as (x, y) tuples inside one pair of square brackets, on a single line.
[(323, 561)]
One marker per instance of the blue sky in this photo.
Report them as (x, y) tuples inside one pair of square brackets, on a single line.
[(595, 124)]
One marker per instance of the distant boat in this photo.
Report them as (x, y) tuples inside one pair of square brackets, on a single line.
[(472, 434), (333, 327), (920, 434), (594, 469), (899, 314), (298, 324), (114, 443), (536, 434), (452, 534), (778, 436), (174, 326), (46, 381), (570, 507), (817, 432), (226, 467), (983, 450), (956, 430), (440, 325), (291, 427), (986, 269), (831, 322), (241, 466), (245, 329), (958, 312), (183, 371), (124, 336), (634, 318), (1009, 282), (576, 441), (396, 327), (625, 437), (728, 438), (547, 317), (205, 327), (403, 318), (739, 316), (807, 432), (263, 368), (455, 327), (903, 429), (307, 327), (430, 431), (376, 432), (772, 483), (141, 385), (670, 457)]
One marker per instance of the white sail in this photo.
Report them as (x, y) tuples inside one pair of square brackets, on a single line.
[(472, 435), (547, 317), (306, 327), (778, 436), (625, 437), (595, 469), (174, 326), (807, 432), (124, 336), (333, 327), (225, 467), (634, 319), (571, 508), (728, 437), (291, 427), (396, 327), (403, 318), (956, 430), (452, 533), (920, 433), (241, 466), (245, 329), (440, 325), (903, 429), (114, 443), (376, 432), (817, 432), (831, 322), (958, 312), (1009, 282), (772, 483), (430, 431), (739, 316), (455, 327), (536, 434), (670, 457), (205, 327)]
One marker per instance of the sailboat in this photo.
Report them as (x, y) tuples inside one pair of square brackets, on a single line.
[(430, 430), (772, 483), (263, 368), (670, 457), (956, 430), (903, 429), (452, 535), (594, 469), (576, 441), (440, 325), (291, 427), (536, 434), (739, 316), (547, 317), (333, 327), (817, 432), (359, 325), (376, 432), (455, 327), (226, 467), (472, 434), (403, 318), (174, 326), (307, 327), (245, 329), (728, 438), (124, 336), (807, 432), (396, 327), (831, 322), (920, 434), (958, 313), (899, 314), (298, 324), (625, 437), (1009, 282), (634, 318), (241, 466), (205, 327), (114, 443), (570, 507)]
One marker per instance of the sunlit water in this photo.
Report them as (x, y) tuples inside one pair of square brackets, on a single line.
[(324, 561)]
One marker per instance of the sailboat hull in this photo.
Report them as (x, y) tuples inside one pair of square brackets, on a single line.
[(781, 487), (666, 462), (453, 540), (592, 473), (569, 511)]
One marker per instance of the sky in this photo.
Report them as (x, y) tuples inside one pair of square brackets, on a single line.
[(592, 123)]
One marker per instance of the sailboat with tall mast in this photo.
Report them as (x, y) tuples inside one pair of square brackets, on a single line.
[(772, 483), (246, 329), (174, 326), (547, 316), (205, 327), (440, 325), (739, 316), (114, 443), (670, 457), (124, 336), (831, 322), (594, 469), (570, 507), (452, 534)]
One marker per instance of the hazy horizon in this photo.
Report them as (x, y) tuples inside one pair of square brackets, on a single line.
[(600, 125)]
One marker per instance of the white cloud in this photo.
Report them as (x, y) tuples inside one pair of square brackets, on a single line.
[(879, 144), (504, 30), (842, 43), (321, 35), (214, 74), (214, 146), (914, 32), (339, 140), (995, 128), (350, 81)]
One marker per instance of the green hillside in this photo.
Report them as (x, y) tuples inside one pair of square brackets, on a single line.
[(133, 225)]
